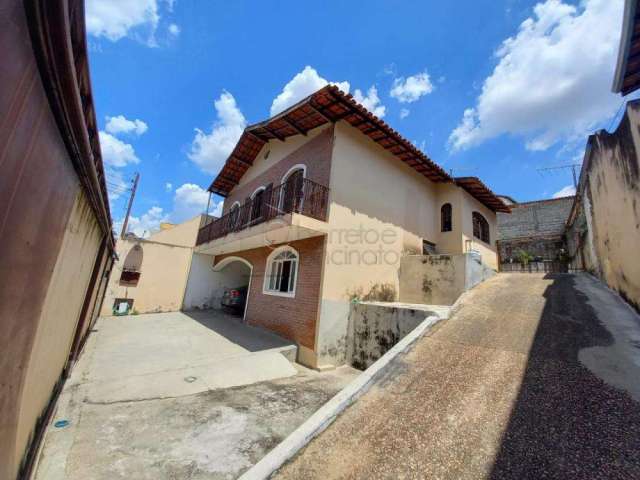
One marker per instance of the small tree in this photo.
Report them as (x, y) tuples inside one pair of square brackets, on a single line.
[(524, 257)]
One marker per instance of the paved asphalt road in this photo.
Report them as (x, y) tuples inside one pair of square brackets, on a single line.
[(533, 377)]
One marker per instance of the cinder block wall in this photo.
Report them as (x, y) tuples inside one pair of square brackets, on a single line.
[(541, 218)]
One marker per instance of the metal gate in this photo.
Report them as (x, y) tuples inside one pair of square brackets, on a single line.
[(546, 266)]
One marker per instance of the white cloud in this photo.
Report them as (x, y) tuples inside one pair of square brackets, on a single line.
[(216, 209), (209, 151), (567, 191), (168, 186), (188, 201), (116, 153), (146, 224), (371, 101), (120, 124), (115, 19), (174, 30), (552, 80), (404, 113), (300, 86), (410, 89)]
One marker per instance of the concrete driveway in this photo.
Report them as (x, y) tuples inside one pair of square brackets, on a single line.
[(139, 357), (532, 377), (176, 395)]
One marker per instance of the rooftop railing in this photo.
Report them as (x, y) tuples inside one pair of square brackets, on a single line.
[(302, 196)]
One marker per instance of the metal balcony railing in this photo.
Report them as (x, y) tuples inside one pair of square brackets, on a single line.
[(302, 196)]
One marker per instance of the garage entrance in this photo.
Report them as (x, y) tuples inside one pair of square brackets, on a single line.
[(208, 283), (235, 279)]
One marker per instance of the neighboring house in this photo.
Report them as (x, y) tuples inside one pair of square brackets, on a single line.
[(322, 202), (151, 273), (55, 227), (507, 200), (603, 231), (533, 227)]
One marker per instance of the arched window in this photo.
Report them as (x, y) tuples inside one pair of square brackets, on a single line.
[(257, 199), (445, 218), (292, 193), (282, 272), (131, 267), (234, 213), (480, 227)]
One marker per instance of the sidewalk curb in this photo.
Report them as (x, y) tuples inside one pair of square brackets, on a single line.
[(321, 419)]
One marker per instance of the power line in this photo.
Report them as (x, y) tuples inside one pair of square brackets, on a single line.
[(572, 166)]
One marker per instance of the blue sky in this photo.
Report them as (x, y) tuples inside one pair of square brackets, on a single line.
[(491, 88)]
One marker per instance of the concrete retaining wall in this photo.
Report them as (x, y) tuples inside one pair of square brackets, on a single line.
[(440, 279), (375, 327)]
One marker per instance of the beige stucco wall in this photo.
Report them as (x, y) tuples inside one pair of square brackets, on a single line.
[(610, 188), (380, 209), (183, 234), (488, 251), (372, 191), (450, 243), (166, 260), (59, 317)]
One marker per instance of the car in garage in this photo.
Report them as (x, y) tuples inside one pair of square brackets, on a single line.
[(235, 298)]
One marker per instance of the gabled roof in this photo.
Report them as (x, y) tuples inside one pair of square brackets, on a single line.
[(482, 193), (327, 105), (627, 75)]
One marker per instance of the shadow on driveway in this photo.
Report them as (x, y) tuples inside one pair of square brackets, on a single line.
[(232, 327), (567, 422)]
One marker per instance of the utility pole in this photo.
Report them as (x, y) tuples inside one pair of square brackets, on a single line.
[(133, 193), (208, 205)]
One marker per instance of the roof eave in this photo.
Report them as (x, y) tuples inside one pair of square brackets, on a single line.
[(625, 42), (326, 114)]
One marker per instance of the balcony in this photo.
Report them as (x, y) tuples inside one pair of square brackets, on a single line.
[(301, 197)]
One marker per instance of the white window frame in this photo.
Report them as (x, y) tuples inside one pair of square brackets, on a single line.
[(236, 204), (261, 187), (299, 166), (268, 268)]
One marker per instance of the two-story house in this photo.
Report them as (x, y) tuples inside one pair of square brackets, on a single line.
[(321, 202)]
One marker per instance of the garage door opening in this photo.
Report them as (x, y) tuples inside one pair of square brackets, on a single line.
[(234, 274), (208, 283)]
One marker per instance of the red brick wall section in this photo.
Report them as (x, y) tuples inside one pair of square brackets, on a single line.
[(315, 154), (293, 318)]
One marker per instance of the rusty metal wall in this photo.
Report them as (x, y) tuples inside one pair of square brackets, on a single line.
[(38, 187)]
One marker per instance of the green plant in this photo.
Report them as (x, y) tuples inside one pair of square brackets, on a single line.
[(355, 295), (380, 292), (524, 257), (563, 256)]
